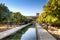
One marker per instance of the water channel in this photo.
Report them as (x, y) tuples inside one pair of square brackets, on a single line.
[(27, 33), (30, 34)]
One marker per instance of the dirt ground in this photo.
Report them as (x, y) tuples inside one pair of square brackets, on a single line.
[(55, 33), (53, 30), (6, 27)]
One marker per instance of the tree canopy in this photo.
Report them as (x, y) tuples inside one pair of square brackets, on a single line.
[(51, 13), (7, 16), (4, 12)]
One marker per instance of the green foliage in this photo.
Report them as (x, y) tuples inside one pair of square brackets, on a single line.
[(51, 13), (4, 12), (7, 16), (18, 18)]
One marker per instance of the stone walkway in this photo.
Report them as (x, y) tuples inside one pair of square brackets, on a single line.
[(11, 31), (42, 34)]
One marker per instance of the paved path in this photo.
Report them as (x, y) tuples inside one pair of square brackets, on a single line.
[(42, 34), (11, 31)]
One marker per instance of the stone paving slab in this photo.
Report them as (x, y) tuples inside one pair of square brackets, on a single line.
[(43, 34), (11, 31)]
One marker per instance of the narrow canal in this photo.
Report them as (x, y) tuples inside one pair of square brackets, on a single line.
[(27, 33)]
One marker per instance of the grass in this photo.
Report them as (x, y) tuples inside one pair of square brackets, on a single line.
[(18, 34)]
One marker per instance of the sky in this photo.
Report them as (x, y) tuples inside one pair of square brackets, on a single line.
[(25, 7)]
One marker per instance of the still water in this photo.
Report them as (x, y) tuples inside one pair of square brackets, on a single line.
[(30, 34)]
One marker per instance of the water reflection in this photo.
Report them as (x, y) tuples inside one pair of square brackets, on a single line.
[(30, 34)]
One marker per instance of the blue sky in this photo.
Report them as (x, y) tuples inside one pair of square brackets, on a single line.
[(26, 7)]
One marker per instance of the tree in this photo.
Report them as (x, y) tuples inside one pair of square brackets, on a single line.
[(4, 12), (51, 13), (7, 16), (18, 18)]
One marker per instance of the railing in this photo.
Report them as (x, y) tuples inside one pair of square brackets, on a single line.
[(11, 31), (42, 34)]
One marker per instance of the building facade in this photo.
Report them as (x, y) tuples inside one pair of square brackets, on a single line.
[(33, 17)]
